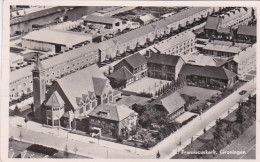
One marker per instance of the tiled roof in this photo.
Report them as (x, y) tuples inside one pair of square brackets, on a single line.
[(224, 30), (214, 72), (146, 18), (163, 59), (132, 99), (202, 60), (189, 69), (111, 112), (247, 30), (82, 82), (212, 23), (55, 100), (121, 74), (135, 60), (99, 85), (100, 19), (172, 102)]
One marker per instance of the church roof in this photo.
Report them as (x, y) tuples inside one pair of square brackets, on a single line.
[(55, 100), (88, 81)]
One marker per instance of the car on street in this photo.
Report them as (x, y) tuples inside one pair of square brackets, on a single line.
[(242, 92)]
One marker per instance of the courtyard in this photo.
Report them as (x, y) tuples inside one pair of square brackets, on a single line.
[(146, 85)]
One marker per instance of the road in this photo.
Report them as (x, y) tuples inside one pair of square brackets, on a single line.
[(167, 148)]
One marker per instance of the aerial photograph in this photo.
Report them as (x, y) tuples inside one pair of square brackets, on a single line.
[(132, 82)]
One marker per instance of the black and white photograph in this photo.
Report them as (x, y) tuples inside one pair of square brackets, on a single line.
[(132, 81)]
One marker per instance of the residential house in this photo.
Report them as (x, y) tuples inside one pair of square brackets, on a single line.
[(129, 70), (243, 62), (173, 105), (112, 119), (164, 66), (246, 33)]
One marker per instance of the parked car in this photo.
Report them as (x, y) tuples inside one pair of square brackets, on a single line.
[(242, 92)]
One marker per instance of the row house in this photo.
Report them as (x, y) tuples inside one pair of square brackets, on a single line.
[(73, 97), (111, 120), (243, 62), (180, 44), (55, 67), (128, 70), (20, 80), (164, 66)]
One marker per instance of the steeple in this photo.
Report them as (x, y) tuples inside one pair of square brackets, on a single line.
[(38, 65), (39, 87)]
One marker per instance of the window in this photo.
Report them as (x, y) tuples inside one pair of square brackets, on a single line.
[(87, 107), (81, 110)]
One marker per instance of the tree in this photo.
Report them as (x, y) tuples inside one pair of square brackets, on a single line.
[(16, 110), (75, 149), (204, 131), (241, 115), (26, 120), (158, 155), (66, 153)]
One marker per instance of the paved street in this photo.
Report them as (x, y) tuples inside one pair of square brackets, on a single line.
[(89, 147)]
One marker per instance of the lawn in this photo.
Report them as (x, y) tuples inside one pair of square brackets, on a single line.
[(201, 94), (147, 85)]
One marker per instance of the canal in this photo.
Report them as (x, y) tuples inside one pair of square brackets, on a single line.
[(73, 14)]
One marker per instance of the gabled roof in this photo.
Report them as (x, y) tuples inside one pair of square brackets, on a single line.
[(111, 112), (55, 100), (99, 85), (135, 60), (189, 69), (172, 102), (121, 74), (82, 82), (247, 30), (100, 19), (244, 55), (212, 23), (147, 17), (163, 59), (214, 72)]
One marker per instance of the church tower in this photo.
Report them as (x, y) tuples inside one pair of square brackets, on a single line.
[(39, 87)]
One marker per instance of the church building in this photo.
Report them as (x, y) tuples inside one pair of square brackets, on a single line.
[(72, 97)]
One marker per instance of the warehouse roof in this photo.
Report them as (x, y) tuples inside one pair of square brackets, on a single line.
[(101, 19), (146, 18), (68, 39), (247, 30), (222, 48)]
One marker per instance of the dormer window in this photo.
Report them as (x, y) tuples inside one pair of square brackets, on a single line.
[(103, 114)]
